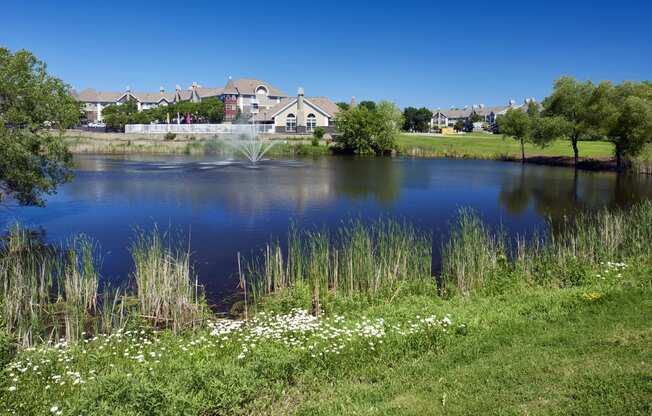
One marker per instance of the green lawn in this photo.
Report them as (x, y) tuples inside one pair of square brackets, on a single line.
[(488, 146), (528, 351)]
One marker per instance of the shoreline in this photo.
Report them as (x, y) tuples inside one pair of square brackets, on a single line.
[(81, 143)]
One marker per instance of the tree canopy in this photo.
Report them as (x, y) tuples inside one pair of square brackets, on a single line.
[(35, 109), (571, 100), (209, 110), (417, 119), (365, 131)]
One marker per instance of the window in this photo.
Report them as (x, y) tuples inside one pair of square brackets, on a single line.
[(311, 122), (290, 123), (261, 90)]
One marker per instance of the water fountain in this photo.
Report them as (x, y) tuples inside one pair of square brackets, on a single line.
[(249, 144)]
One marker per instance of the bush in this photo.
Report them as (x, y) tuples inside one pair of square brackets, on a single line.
[(319, 133), (170, 136), (314, 141)]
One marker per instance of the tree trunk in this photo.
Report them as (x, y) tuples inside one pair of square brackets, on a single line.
[(522, 151), (619, 159), (576, 152)]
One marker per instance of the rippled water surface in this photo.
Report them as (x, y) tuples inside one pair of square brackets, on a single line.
[(226, 206)]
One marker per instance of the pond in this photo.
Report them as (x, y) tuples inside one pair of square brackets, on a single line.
[(225, 207)]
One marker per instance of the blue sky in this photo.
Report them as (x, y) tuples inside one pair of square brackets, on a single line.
[(435, 54)]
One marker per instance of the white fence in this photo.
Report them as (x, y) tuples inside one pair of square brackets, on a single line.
[(198, 128)]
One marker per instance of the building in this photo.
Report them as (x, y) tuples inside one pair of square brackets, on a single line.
[(299, 114), (246, 96), (448, 118)]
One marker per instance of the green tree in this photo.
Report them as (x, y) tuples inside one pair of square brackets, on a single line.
[(475, 118), (210, 110), (117, 115), (459, 126), (571, 100), (627, 113), (364, 131), (343, 106), (35, 109), (517, 124), (417, 119), (369, 105)]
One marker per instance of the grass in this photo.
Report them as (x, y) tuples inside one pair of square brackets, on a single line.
[(560, 326), (489, 146), (199, 147), (48, 293), (361, 261), (525, 351)]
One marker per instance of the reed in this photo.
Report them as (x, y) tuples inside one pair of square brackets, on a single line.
[(167, 289), (358, 260), (47, 293), (568, 252)]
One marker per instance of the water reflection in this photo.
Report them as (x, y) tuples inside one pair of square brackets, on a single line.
[(226, 207), (556, 193)]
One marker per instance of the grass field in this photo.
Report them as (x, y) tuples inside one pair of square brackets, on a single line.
[(488, 146)]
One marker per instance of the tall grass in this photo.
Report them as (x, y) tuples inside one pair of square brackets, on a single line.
[(357, 260), (48, 293), (568, 253), (168, 291)]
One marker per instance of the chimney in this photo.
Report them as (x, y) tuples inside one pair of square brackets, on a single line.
[(353, 102), (301, 119)]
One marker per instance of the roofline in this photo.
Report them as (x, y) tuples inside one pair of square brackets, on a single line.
[(305, 100)]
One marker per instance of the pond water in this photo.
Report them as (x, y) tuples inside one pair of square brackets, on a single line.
[(224, 206)]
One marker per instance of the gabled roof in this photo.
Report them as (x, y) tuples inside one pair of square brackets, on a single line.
[(209, 92), (153, 97), (230, 87), (321, 104), (91, 95), (248, 86)]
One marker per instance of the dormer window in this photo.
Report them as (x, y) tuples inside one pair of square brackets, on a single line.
[(261, 90)]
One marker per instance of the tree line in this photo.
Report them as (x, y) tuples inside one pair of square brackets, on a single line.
[(581, 111), (209, 110)]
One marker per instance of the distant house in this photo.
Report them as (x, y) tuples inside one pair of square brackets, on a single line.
[(299, 114), (248, 96), (448, 118)]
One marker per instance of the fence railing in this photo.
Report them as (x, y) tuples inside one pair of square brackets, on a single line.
[(199, 128)]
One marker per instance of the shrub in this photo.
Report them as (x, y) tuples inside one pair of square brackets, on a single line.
[(319, 133), (169, 136), (314, 141)]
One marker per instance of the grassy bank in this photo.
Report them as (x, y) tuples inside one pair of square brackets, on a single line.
[(555, 325), (594, 154), (116, 144)]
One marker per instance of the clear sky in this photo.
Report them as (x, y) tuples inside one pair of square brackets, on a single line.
[(428, 53)]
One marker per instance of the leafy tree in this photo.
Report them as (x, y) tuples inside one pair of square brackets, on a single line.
[(343, 106), (571, 100), (210, 110), (627, 113), (117, 115), (35, 109), (459, 125), (517, 124), (319, 132), (365, 131), (369, 105), (475, 118), (417, 119)]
